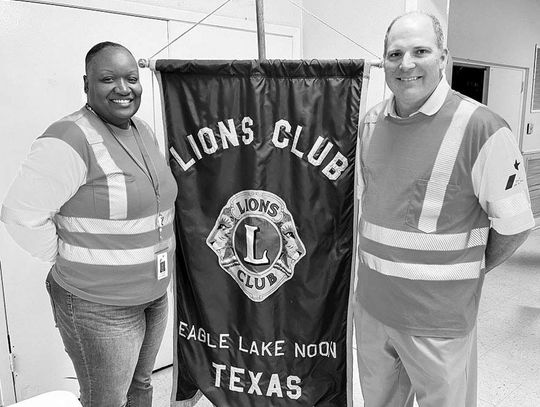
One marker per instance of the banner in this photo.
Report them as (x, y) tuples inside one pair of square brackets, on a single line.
[(263, 153)]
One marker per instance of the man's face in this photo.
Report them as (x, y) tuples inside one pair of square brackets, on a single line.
[(413, 63), (112, 85)]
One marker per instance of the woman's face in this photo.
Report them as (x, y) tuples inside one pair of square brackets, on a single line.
[(112, 85)]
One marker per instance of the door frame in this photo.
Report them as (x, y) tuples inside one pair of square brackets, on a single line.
[(7, 384), (489, 65)]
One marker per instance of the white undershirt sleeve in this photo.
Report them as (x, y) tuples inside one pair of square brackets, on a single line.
[(500, 183), (49, 176)]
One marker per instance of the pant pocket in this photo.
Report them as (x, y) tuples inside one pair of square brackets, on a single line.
[(49, 290)]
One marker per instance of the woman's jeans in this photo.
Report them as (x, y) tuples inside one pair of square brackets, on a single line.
[(113, 348)]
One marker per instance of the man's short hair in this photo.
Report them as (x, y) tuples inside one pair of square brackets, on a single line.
[(437, 28), (96, 49)]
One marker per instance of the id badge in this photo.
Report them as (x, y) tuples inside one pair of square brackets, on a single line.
[(162, 263)]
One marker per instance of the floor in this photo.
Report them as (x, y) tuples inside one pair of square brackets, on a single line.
[(508, 337)]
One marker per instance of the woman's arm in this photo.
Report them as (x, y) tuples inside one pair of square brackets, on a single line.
[(49, 176)]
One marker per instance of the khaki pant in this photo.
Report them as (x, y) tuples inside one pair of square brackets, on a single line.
[(394, 367)]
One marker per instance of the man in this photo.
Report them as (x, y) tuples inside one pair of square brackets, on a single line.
[(444, 200)]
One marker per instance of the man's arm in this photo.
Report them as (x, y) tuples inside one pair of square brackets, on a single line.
[(500, 247), (500, 183)]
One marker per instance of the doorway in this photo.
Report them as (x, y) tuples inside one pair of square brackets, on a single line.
[(470, 80)]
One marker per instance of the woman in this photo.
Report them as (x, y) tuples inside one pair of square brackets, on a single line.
[(95, 197)]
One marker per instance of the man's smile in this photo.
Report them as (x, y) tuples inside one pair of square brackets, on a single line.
[(409, 79)]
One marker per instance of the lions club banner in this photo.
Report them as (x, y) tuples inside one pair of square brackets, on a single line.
[(263, 153)]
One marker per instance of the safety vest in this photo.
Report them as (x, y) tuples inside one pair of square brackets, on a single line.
[(422, 232), (111, 229)]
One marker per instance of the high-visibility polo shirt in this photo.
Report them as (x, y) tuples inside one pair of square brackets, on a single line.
[(433, 185), (98, 202)]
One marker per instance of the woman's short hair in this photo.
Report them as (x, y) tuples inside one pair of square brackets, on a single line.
[(96, 49)]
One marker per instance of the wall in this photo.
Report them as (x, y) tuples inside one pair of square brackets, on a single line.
[(439, 8), (511, 41), (275, 11), (365, 22)]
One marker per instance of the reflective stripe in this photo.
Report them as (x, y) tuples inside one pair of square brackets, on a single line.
[(431, 272), (116, 180), (109, 257), (108, 226), (510, 206), (114, 241), (442, 169), (423, 241)]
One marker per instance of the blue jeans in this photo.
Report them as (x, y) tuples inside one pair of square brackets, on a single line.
[(113, 348)]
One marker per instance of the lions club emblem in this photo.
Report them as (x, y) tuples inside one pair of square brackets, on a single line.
[(256, 242)]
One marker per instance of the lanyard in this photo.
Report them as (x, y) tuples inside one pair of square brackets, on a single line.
[(147, 166)]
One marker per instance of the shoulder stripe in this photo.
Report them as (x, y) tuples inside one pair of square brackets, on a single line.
[(442, 169), (116, 181)]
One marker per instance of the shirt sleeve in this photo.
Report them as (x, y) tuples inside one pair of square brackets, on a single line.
[(500, 183), (49, 176)]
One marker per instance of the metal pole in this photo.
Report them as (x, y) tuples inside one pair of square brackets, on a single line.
[(260, 29), (356, 215)]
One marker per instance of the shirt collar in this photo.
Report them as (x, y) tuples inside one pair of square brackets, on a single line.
[(429, 108)]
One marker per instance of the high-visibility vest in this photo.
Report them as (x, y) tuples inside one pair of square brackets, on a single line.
[(109, 230), (422, 232)]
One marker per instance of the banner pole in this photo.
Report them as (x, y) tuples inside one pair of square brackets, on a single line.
[(365, 84), (260, 29), (356, 215)]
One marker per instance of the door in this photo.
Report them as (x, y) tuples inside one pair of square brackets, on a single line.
[(505, 96), (44, 47)]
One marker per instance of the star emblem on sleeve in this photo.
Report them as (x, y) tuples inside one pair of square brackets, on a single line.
[(516, 165)]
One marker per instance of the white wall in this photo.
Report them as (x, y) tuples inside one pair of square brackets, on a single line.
[(365, 22), (275, 11), (502, 32), (439, 8)]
